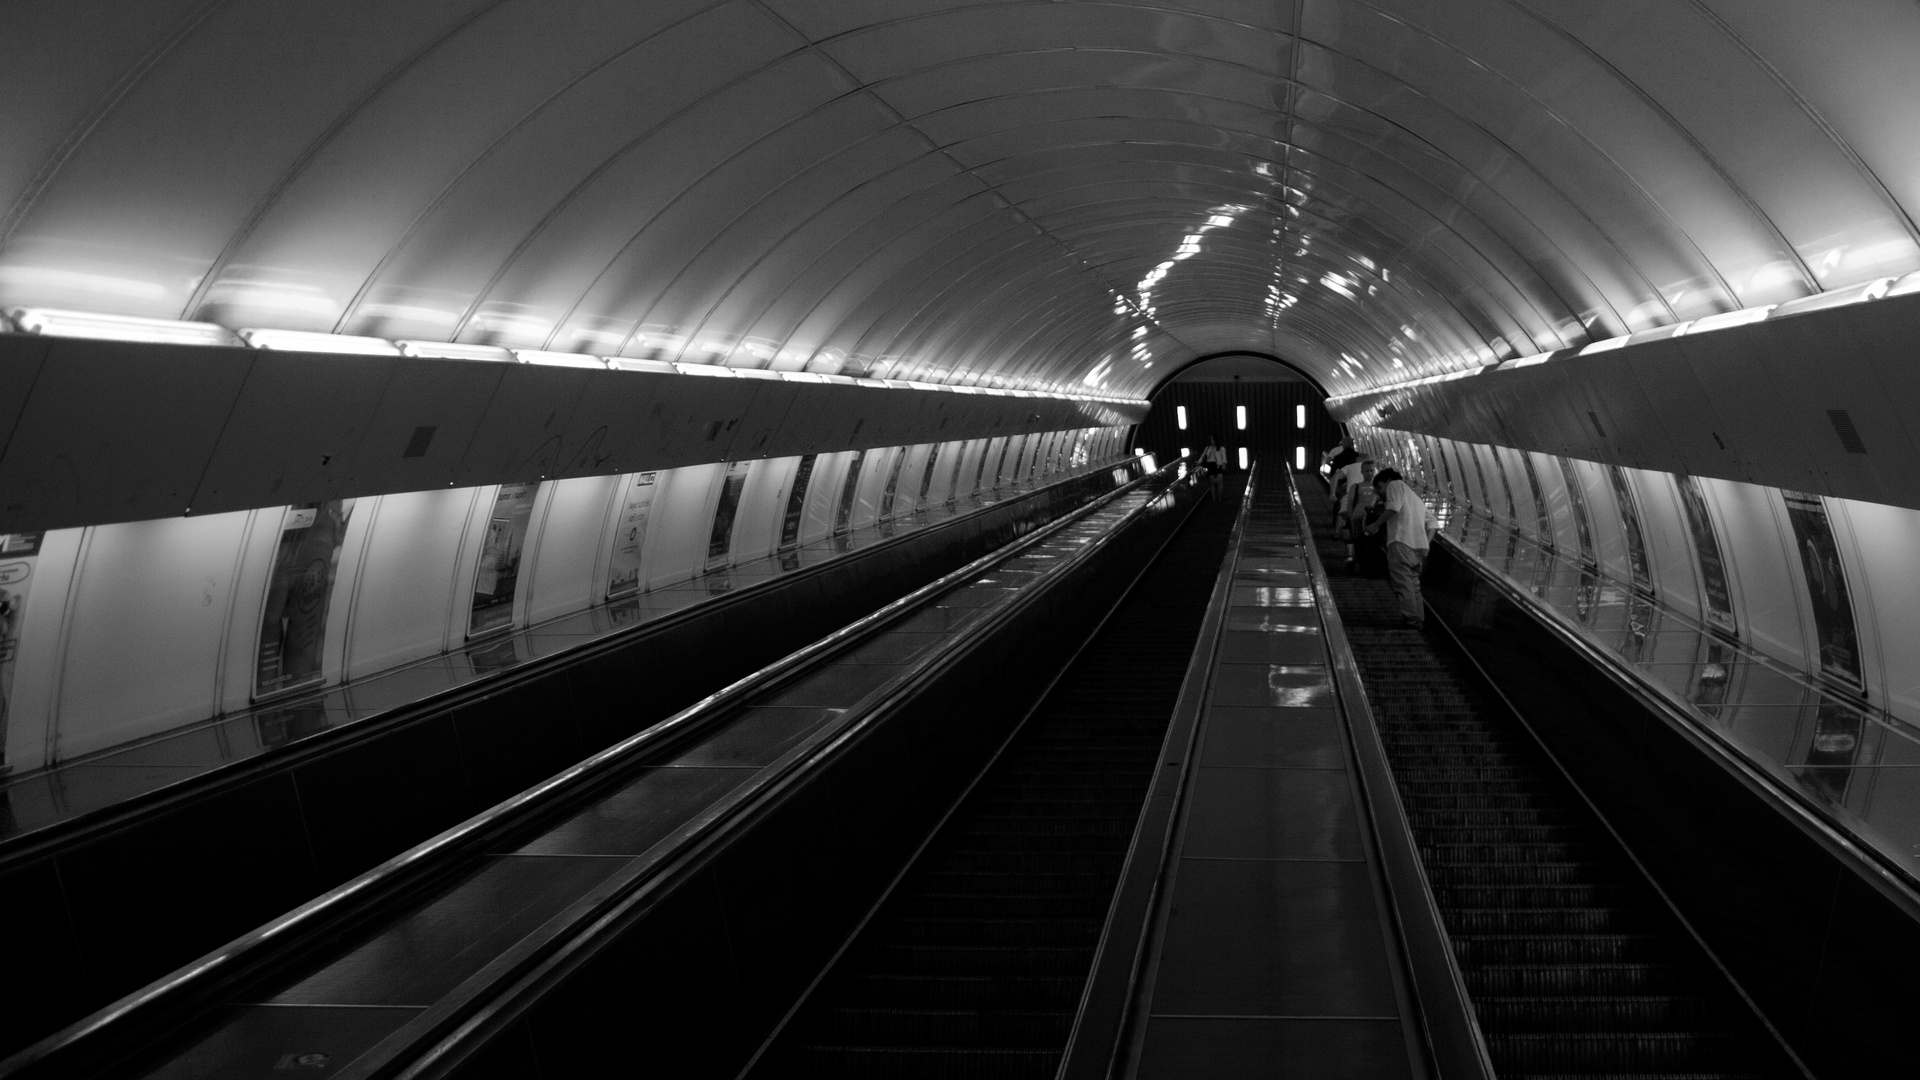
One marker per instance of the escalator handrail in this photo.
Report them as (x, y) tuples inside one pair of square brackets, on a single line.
[(1867, 862), (436, 1042), (1663, 703), (197, 980), (1100, 1023), (1456, 1047), (68, 831)]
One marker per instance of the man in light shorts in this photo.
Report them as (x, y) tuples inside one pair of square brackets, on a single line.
[(1405, 524)]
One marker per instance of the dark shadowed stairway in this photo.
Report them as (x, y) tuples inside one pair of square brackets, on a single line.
[(1575, 967), (974, 966)]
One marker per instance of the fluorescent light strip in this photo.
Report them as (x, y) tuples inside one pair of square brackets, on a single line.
[(450, 350), (56, 322), (53, 322), (559, 359), (1833, 298), (307, 341)]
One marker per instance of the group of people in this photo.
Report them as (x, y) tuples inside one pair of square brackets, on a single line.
[(1384, 523)]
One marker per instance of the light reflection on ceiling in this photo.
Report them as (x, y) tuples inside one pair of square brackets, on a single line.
[(1052, 196)]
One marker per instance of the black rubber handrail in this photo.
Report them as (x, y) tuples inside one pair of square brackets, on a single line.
[(242, 959), (68, 831)]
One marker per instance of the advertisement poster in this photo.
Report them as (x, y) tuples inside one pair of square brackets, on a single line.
[(720, 541), (1446, 473), (1706, 547), (630, 535), (1513, 508), (953, 478), (796, 503), (1630, 523), (843, 514), (926, 478), (499, 570), (1577, 499), (18, 553), (1543, 524), (293, 628), (980, 473), (1826, 587), (892, 490)]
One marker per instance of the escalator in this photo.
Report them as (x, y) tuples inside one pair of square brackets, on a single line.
[(727, 850), (1574, 964), (974, 966)]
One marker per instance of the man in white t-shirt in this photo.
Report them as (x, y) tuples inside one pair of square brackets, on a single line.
[(1406, 528), (1344, 479)]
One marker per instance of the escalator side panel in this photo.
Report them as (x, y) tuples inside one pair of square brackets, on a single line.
[(220, 855), (773, 906), (1572, 962), (975, 962), (1828, 953)]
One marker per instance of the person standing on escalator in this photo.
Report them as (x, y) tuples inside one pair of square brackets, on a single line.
[(1214, 460), (1405, 526)]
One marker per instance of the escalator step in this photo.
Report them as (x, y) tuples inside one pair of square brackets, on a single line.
[(975, 966), (1574, 970)]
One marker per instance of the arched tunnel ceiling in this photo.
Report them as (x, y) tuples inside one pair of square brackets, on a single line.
[(1045, 195)]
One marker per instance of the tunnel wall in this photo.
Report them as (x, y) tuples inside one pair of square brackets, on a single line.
[(1770, 604), (117, 632), (1691, 581)]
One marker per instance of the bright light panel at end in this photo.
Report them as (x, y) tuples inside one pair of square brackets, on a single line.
[(559, 359), (453, 350), (1300, 457), (1180, 418), (1243, 457), (1300, 416), (86, 324), (308, 341), (1240, 416)]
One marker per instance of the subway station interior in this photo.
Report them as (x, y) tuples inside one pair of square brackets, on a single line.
[(1076, 540)]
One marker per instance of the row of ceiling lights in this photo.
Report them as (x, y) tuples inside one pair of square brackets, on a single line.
[(51, 322), (1855, 294)]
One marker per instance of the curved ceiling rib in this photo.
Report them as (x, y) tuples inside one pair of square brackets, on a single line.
[(1049, 195)]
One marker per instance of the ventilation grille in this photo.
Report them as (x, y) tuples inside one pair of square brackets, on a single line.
[(1849, 435)]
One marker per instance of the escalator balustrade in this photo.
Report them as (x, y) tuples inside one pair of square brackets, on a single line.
[(975, 965), (1574, 965)]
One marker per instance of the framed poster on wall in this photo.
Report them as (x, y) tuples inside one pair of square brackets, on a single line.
[(18, 553), (630, 535), (1826, 588), (720, 539), (1718, 596), (498, 573), (293, 623)]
